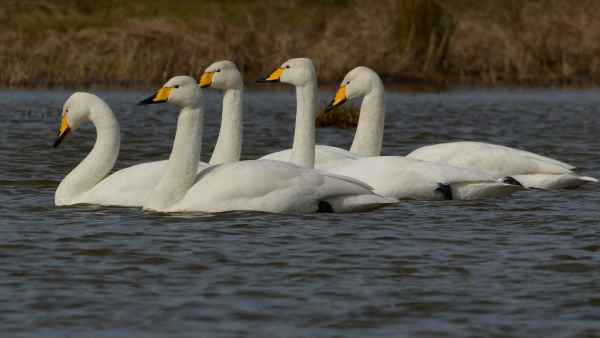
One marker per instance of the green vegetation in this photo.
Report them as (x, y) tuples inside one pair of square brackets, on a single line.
[(79, 43)]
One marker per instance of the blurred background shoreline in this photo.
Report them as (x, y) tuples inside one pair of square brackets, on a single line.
[(416, 43)]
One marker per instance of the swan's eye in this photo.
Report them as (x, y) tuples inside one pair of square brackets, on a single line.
[(176, 86), (287, 67), (218, 70)]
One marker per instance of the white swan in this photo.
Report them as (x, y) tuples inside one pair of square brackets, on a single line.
[(529, 169), (87, 182), (367, 139), (129, 186), (391, 176), (259, 185)]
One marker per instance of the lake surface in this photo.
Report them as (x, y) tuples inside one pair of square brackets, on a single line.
[(528, 266)]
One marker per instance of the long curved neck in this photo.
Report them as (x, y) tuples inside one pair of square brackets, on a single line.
[(229, 143), (369, 132), (180, 173), (303, 149), (98, 163)]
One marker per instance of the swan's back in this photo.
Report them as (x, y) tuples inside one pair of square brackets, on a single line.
[(129, 186), (393, 168), (269, 186), (324, 155), (406, 178), (496, 159)]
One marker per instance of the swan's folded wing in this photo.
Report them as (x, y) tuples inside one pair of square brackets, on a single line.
[(348, 179), (269, 186), (406, 178), (498, 160), (129, 186)]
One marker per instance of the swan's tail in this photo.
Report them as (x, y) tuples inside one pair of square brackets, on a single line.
[(359, 203), (553, 181), (481, 190)]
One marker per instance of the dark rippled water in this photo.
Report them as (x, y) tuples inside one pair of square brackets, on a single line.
[(523, 267)]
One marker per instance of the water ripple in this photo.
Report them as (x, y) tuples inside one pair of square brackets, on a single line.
[(520, 267)]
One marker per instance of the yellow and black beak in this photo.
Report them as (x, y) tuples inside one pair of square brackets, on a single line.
[(274, 77), (206, 79), (63, 131), (162, 95), (339, 99)]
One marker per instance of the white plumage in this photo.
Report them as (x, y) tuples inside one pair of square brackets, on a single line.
[(391, 176), (259, 185), (530, 169), (88, 182)]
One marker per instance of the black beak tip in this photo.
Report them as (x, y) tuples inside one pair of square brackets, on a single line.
[(58, 141), (145, 102), (265, 80), (329, 107), (60, 138), (148, 100)]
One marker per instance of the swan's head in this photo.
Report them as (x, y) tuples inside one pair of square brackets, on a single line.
[(298, 72), (78, 110), (182, 91), (360, 81), (222, 75)]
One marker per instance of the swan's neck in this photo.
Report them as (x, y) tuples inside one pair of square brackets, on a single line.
[(229, 143), (180, 173), (98, 163), (369, 132), (303, 149)]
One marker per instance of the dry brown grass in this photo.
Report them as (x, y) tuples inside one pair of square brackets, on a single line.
[(537, 42), (69, 43), (74, 49)]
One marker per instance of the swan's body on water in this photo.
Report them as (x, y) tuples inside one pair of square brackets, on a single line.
[(529, 169), (405, 178), (391, 176), (88, 183), (275, 186), (258, 185)]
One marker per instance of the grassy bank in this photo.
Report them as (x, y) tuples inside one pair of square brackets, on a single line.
[(137, 43)]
